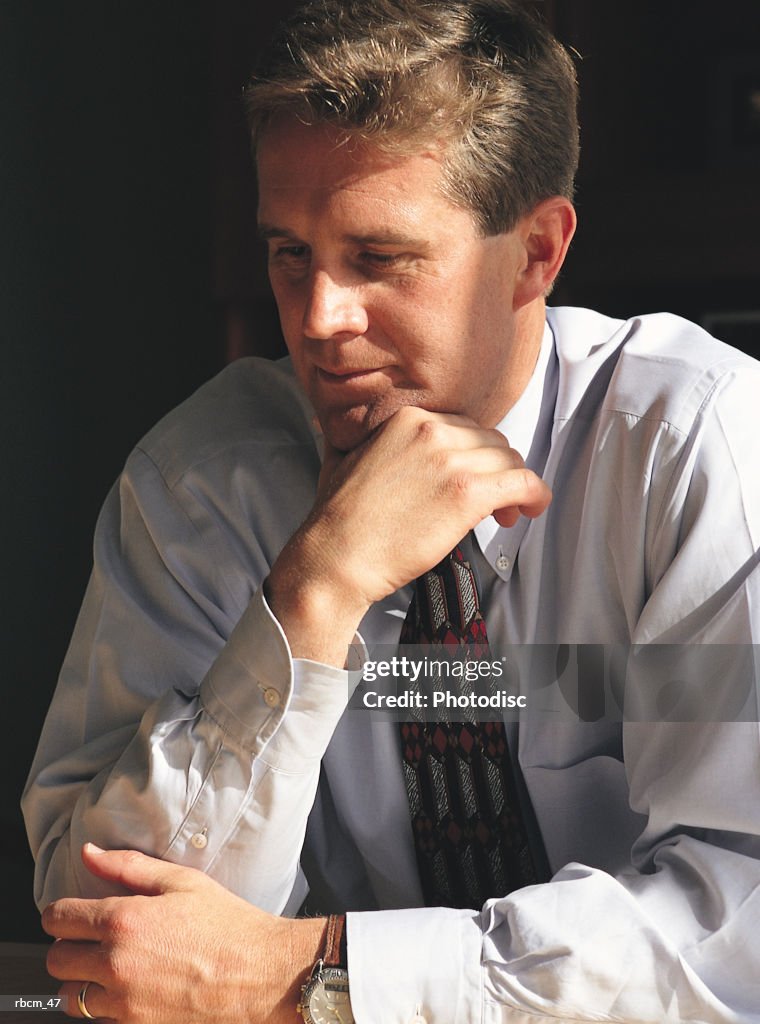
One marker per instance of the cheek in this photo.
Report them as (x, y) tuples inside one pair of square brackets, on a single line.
[(416, 327), (289, 323), (290, 307), (445, 320)]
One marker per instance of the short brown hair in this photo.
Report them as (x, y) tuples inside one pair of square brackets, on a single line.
[(484, 78)]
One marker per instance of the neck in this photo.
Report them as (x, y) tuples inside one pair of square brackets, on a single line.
[(524, 351)]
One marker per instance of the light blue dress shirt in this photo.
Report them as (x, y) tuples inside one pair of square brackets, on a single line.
[(181, 726)]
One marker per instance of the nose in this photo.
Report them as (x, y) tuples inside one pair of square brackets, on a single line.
[(333, 308)]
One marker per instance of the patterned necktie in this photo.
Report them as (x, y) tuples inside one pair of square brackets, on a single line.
[(469, 835)]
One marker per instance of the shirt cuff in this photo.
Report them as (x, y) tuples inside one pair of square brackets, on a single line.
[(423, 963), (263, 698)]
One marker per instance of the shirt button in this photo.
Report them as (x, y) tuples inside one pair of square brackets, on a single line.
[(503, 563), (271, 697), (199, 840), (418, 1019)]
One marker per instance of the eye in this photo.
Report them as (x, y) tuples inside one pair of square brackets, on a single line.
[(289, 253), (381, 259)]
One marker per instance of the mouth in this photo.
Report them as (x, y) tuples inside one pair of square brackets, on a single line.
[(346, 375)]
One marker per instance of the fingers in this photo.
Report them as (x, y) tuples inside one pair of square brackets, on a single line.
[(89, 920), (71, 961), (433, 476), (505, 493), (496, 476), (83, 920), (444, 430), (95, 1000), (146, 876), (522, 492)]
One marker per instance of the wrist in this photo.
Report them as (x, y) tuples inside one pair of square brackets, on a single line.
[(325, 992), (303, 945), (308, 936), (307, 595)]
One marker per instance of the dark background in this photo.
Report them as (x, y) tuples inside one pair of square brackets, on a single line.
[(128, 271)]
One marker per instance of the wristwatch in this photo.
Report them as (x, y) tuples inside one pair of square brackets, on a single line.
[(324, 994)]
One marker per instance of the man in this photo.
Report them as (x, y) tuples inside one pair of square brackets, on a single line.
[(415, 167)]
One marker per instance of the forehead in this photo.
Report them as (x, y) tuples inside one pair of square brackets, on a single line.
[(305, 168)]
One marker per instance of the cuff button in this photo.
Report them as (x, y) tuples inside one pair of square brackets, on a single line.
[(199, 840), (271, 697)]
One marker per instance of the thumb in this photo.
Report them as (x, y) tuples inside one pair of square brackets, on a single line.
[(143, 875)]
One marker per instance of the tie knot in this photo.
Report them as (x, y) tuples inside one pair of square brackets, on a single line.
[(445, 607)]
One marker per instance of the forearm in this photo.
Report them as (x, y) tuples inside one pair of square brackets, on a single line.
[(200, 781)]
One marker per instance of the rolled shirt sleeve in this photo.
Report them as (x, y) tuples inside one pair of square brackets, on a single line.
[(181, 726)]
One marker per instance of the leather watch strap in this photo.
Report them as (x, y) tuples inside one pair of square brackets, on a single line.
[(332, 955)]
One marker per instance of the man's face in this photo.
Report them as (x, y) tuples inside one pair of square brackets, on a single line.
[(388, 294)]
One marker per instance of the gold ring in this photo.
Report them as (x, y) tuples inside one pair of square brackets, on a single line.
[(81, 1003)]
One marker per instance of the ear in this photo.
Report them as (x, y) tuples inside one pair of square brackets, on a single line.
[(546, 233)]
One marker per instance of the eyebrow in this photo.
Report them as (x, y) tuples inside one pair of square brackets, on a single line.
[(267, 231)]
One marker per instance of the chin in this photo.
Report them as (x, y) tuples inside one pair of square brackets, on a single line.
[(344, 437), (348, 428)]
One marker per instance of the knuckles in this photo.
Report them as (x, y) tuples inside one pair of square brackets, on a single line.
[(408, 415), (130, 859), (526, 489), (421, 426), (460, 486), (525, 482), (500, 441), (121, 921), (428, 432)]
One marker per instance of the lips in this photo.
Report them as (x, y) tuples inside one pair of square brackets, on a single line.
[(344, 375)]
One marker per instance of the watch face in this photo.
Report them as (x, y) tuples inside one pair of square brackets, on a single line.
[(326, 999)]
